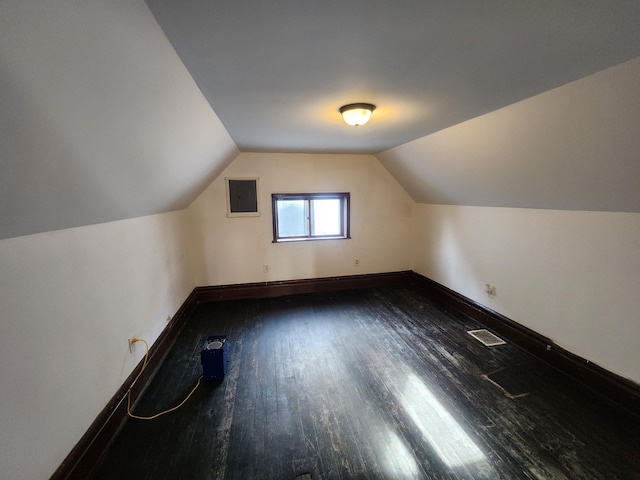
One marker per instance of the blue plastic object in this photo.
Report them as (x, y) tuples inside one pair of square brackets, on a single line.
[(214, 357)]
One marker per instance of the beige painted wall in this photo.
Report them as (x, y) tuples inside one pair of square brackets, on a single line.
[(571, 276), (70, 300), (567, 265), (234, 250)]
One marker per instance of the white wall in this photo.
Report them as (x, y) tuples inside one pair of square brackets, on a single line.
[(566, 262), (571, 276), (234, 250), (70, 300)]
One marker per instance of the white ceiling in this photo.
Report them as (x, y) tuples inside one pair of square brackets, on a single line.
[(277, 72), (99, 119), (575, 147), (113, 109)]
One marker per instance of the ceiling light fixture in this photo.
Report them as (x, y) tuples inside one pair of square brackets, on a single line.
[(356, 114)]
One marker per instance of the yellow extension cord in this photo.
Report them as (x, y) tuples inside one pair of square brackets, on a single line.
[(144, 364)]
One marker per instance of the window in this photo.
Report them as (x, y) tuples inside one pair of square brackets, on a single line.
[(310, 216)]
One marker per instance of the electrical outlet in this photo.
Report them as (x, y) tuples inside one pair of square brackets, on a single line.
[(265, 268), (356, 262), (131, 345)]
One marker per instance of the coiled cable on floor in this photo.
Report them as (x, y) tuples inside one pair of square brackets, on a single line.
[(144, 365)]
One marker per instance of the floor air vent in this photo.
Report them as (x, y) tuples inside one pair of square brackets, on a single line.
[(486, 337)]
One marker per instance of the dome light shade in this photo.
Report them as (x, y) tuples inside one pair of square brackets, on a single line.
[(356, 114)]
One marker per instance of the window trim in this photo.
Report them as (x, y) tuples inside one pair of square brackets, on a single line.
[(345, 198)]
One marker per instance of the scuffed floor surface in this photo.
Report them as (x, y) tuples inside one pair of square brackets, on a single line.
[(368, 384)]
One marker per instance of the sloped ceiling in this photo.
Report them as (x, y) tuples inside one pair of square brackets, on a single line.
[(100, 120), (576, 147), (277, 72)]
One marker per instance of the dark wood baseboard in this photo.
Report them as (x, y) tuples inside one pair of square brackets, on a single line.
[(295, 287), (89, 449), (87, 453), (618, 390)]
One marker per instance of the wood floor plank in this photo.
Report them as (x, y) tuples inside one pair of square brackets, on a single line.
[(369, 384)]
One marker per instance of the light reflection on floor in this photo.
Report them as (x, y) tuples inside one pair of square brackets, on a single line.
[(396, 459), (409, 396), (444, 435), (438, 427)]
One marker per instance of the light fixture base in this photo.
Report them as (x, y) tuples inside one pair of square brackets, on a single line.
[(356, 114)]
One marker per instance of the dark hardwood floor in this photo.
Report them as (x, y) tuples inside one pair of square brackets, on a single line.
[(366, 384)]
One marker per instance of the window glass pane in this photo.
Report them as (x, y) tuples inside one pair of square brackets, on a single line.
[(292, 218), (326, 217), (310, 216)]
